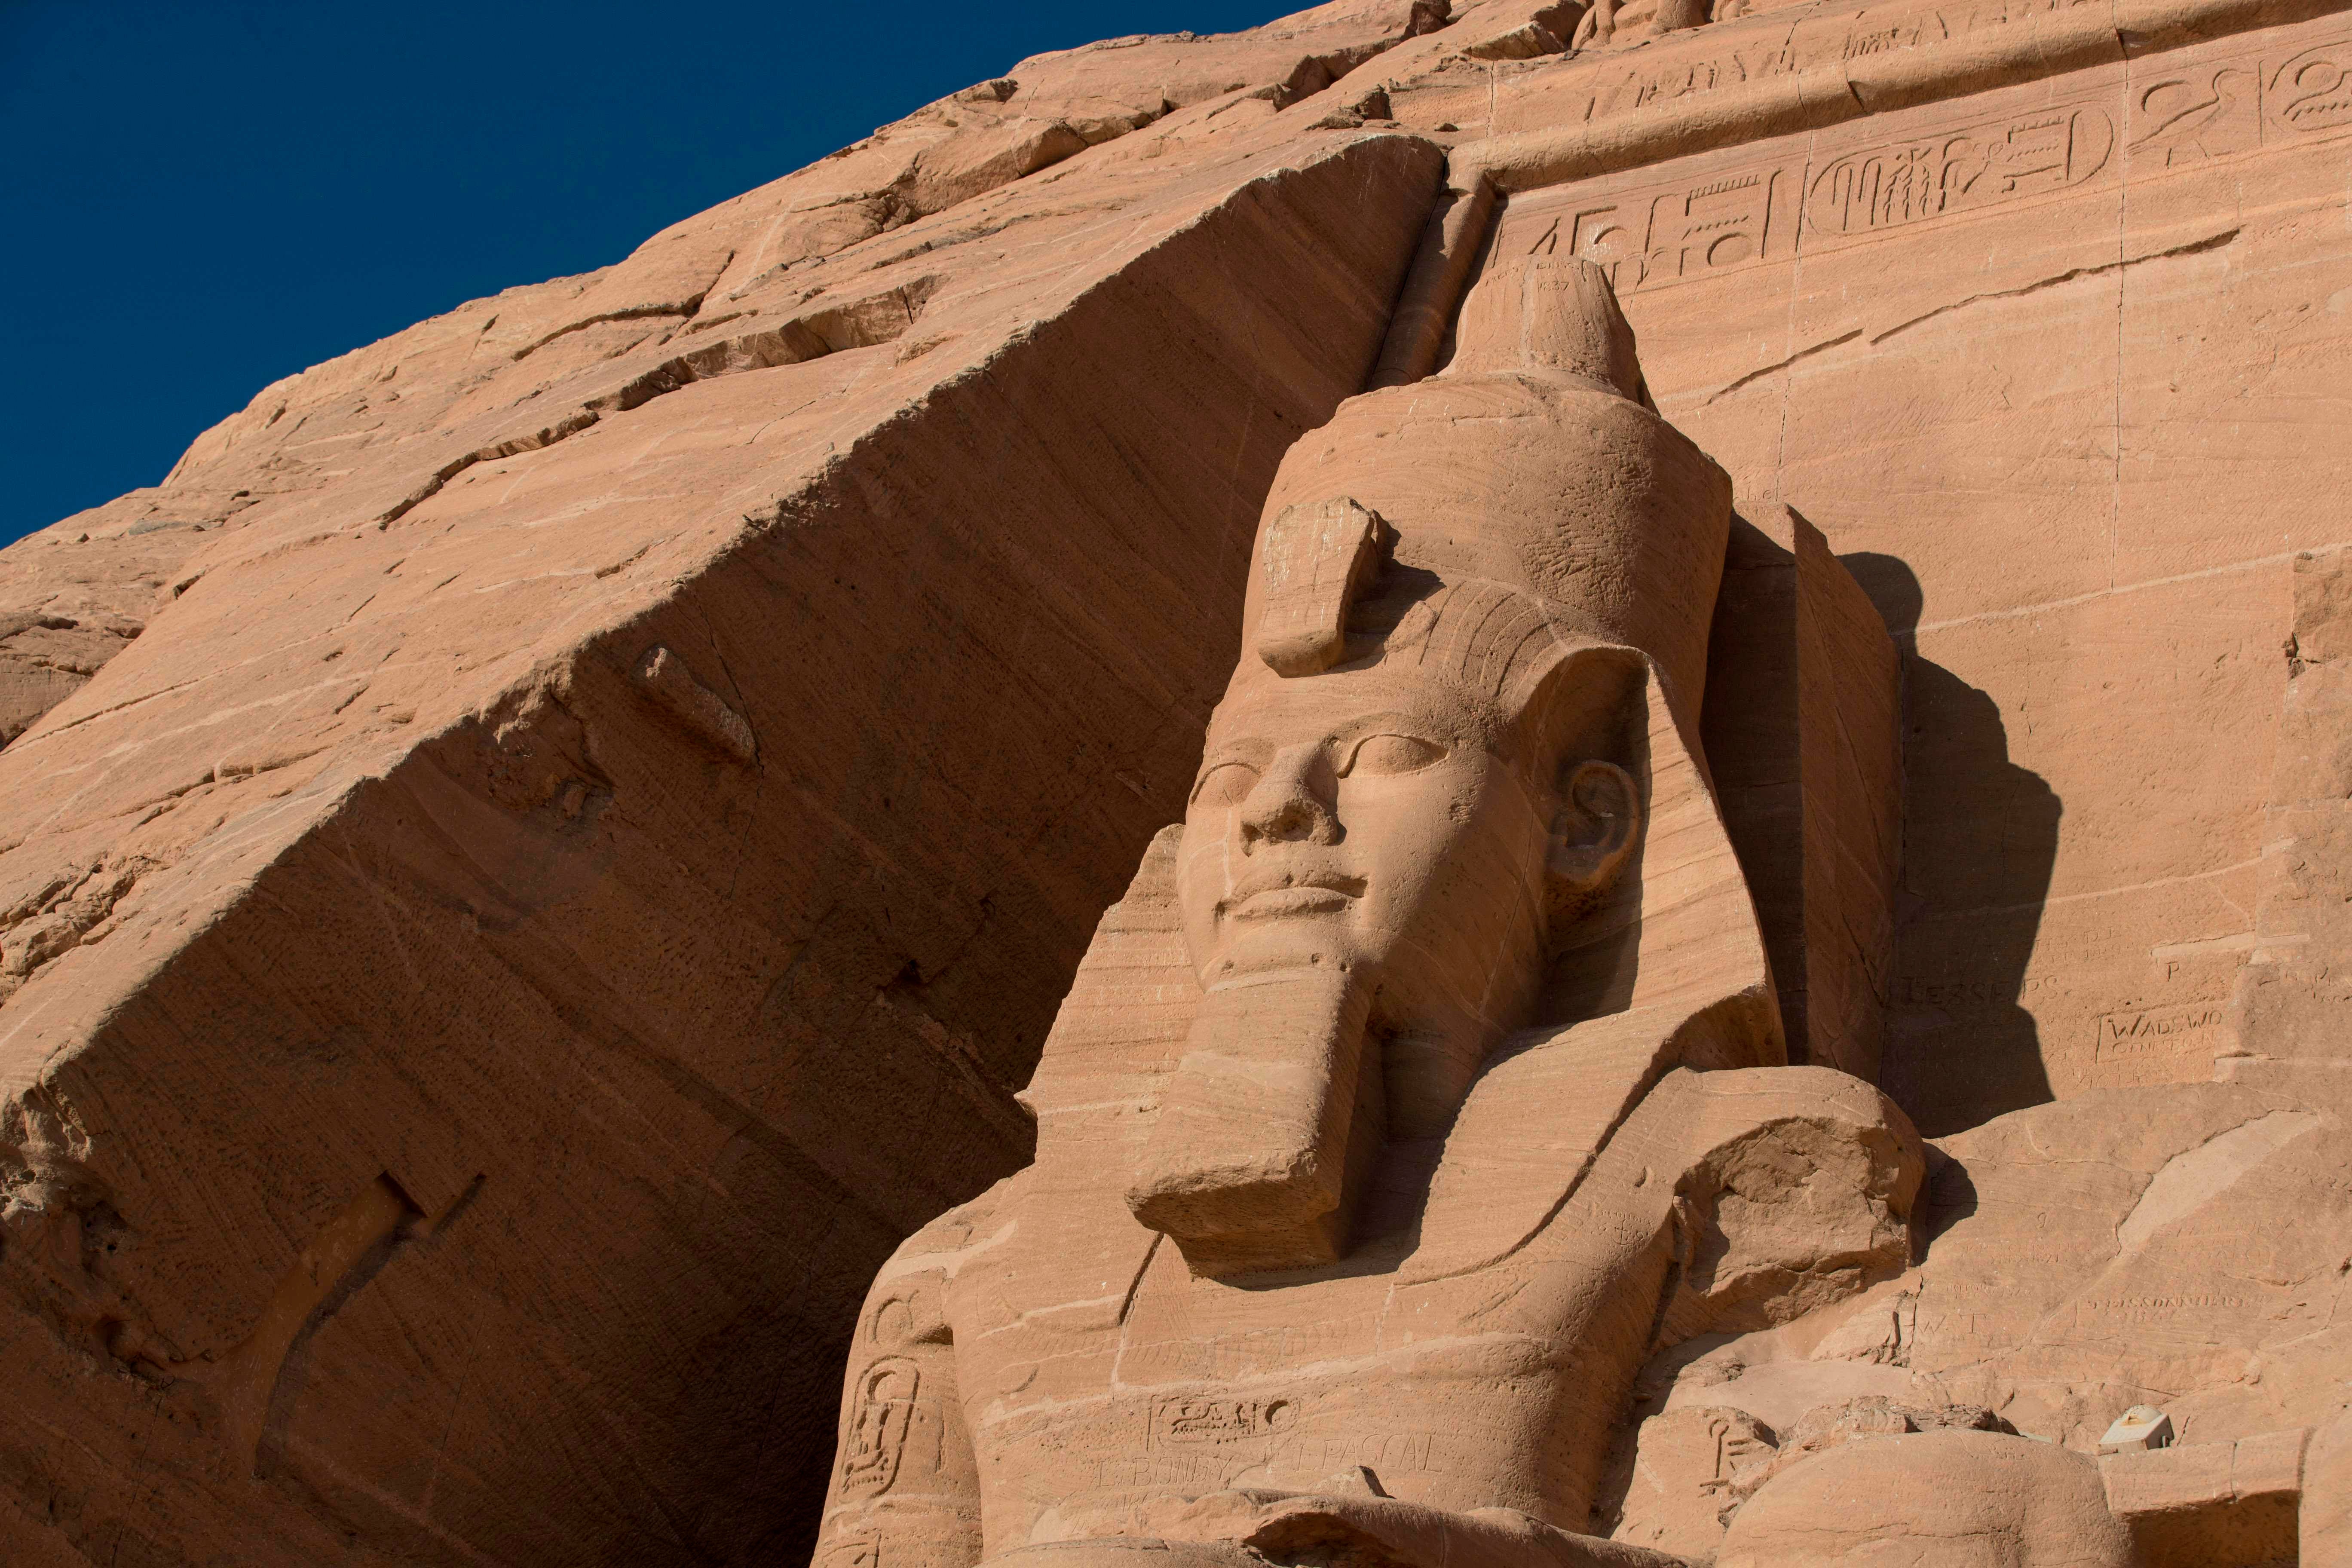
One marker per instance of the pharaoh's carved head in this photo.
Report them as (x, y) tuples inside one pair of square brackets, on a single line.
[(1428, 775)]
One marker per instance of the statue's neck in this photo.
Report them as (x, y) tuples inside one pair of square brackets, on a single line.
[(1426, 1069)]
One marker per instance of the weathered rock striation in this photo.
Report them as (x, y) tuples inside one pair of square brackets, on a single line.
[(551, 845), (313, 899)]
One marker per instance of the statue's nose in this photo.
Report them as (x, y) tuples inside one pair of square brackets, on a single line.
[(1291, 803)]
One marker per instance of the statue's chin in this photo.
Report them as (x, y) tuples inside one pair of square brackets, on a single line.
[(1248, 1165), (1301, 939)]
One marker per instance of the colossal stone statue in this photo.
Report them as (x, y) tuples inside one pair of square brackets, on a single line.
[(542, 851), (1428, 1081)]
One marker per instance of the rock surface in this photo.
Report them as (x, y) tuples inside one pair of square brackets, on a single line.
[(2181, 1247), (546, 846), (484, 983), (1426, 1078)]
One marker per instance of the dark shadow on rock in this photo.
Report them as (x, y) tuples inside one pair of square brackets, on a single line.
[(1750, 729), (1980, 834), (1950, 1197)]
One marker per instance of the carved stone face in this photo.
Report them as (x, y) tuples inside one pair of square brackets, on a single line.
[(1373, 864), (1380, 851), (1363, 821), (1362, 883), (1360, 818)]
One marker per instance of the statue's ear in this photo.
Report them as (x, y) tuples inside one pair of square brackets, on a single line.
[(1593, 831), (1582, 714)]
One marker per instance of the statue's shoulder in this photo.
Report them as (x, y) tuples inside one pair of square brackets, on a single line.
[(1798, 1186), (1733, 1103), (943, 1243), (1600, 1119)]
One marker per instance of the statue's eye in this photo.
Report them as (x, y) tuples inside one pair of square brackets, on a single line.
[(1384, 755), (1226, 783)]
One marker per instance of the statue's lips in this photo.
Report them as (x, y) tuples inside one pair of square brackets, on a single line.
[(1311, 893)]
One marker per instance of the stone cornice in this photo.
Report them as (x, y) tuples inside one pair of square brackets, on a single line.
[(1936, 61), (1773, 75)]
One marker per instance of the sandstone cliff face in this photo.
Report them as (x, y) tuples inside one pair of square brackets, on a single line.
[(340, 421), (610, 789), (548, 843)]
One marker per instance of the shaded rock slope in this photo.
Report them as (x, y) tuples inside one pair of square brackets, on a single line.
[(548, 842)]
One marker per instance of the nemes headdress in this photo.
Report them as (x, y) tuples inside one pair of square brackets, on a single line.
[(1479, 524), (1503, 528)]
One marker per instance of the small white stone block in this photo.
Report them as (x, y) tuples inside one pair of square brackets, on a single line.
[(2140, 1427)]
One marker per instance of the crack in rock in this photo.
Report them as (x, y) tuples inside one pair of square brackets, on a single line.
[(2194, 247)]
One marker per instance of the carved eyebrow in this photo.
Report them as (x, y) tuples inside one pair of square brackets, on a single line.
[(1248, 749), (1258, 753), (1365, 726)]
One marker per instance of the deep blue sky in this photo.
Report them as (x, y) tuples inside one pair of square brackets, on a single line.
[(199, 197)]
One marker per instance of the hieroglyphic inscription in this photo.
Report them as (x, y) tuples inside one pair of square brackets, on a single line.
[(2309, 92), (2211, 113), (2180, 110), (1205, 1418), (858, 1551), (2001, 161), (880, 1418), (1642, 86), (1687, 67), (1652, 238), (2253, 98), (1738, 1444)]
